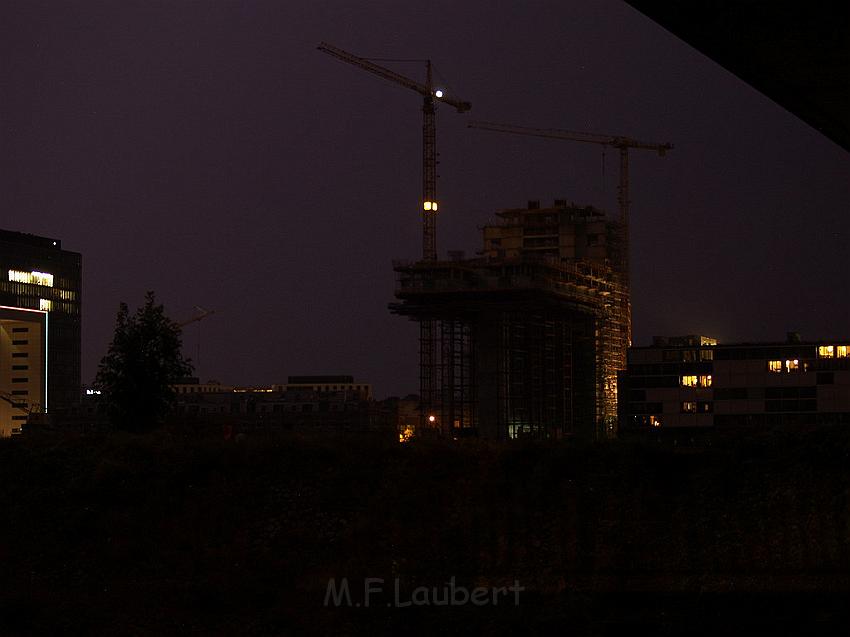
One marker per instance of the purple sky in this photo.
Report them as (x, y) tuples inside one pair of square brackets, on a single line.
[(209, 152)]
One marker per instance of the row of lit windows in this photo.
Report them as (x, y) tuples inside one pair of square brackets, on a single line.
[(703, 380), (638, 404), (198, 389), (24, 289), (833, 351), (32, 278), (794, 401), (700, 407), (696, 407), (47, 305), (785, 366)]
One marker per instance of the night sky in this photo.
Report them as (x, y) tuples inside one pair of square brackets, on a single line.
[(207, 151)]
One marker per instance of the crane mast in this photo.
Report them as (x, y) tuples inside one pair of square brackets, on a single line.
[(429, 172), (620, 142), (428, 380), (430, 203), (202, 313)]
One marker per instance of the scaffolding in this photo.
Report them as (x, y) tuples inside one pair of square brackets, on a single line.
[(523, 346)]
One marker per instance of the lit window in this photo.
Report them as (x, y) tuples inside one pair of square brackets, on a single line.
[(405, 434), (706, 355), (654, 421), (826, 351), (33, 278), (689, 381), (792, 365), (430, 205), (689, 407), (841, 351), (705, 381), (45, 305), (774, 366)]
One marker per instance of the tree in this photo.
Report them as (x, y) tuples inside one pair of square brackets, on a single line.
[(143, 361)]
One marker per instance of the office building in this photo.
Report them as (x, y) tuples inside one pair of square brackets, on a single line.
[(41, 288)]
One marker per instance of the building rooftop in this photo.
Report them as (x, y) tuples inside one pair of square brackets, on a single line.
[(30, 239), (692, 340)]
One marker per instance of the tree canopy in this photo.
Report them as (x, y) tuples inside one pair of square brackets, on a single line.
[(142, 363)]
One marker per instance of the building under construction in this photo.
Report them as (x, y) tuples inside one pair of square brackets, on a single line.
[(526, 339)]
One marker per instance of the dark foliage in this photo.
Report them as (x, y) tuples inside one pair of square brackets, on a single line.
[(171, 533), (143, 361)]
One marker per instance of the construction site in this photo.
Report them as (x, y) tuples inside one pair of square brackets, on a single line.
[(527, 338)]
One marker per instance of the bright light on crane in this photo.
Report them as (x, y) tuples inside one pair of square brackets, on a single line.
[(429, 144)]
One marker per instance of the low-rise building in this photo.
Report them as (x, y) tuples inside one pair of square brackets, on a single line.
[(325, 384), (333, 402), (696, 383)]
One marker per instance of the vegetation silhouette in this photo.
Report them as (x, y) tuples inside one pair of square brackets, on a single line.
[(142, 363)]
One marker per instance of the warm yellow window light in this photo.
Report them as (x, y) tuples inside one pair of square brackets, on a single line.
[(841, 351), (826, 351), (689, 381), (430, 205), (792, 365), (45, 305), (33, 278), (705, 381), (774, 366)]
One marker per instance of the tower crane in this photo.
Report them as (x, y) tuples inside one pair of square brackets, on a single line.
[(621, 142), (429, 135), (427, 328), (202, 313)]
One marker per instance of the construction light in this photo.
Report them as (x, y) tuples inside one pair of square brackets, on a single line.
[(432, 418), (439, 93)]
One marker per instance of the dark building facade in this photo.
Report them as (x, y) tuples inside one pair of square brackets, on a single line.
[(307, 403), (37, 274), (692, 383)]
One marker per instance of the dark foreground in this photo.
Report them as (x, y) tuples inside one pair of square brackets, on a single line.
[(173, 532)]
